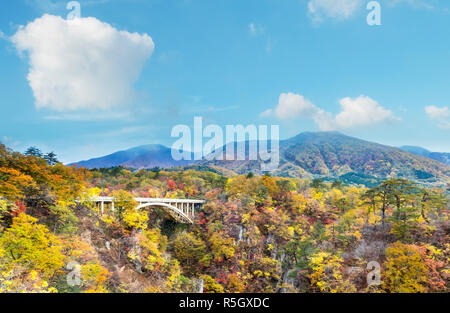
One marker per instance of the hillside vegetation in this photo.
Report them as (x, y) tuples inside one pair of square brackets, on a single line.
[(332, 155), (254, 234), (308, 155)]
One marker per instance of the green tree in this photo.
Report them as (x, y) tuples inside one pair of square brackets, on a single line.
[(189, 250), (318, 184), (33, 151), (51, 158)]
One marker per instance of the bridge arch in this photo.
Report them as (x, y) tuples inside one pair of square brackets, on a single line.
[(173, 211)]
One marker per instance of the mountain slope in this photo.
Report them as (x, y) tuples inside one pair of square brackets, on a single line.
[(148, 156), (438, 156), (331, 154), (308, 155)]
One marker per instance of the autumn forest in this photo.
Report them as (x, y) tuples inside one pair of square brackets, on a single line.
[(259, 234)]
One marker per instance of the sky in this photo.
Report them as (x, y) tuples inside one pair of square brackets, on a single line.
[(125, 72)]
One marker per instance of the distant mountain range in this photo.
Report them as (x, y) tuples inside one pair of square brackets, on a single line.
[(308, 155), (442, 157), (143, 157)]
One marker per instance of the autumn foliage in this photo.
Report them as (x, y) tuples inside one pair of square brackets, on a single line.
[(254, 234)]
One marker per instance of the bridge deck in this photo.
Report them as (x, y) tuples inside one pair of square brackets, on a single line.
[(159, 200)]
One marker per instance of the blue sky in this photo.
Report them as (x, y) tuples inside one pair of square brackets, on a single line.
[(306, 65)]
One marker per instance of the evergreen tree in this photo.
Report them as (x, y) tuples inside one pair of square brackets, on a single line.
[(33, 151), (51, 158)]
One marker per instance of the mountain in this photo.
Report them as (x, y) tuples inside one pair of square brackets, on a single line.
[(308, 155), (334, 155), (438, 156), (148, 156)]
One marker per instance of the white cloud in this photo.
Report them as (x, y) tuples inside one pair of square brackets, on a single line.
[(6, 139), (439, 114), (291, 105), (266, 113), (81, 63), (324, 120), (345, 9), (336, 9), (9, 141), (359, 112), (445, 125), (260, 31), (255, 29), (362, 111)]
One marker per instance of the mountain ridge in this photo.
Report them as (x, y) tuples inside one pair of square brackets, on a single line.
[(442, 157), (307, 155), (141, 157), (332, 154)]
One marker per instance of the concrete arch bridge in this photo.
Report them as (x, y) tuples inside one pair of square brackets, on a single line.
[(181, 210)]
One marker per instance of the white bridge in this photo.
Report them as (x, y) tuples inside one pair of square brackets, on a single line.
[(182, 210)]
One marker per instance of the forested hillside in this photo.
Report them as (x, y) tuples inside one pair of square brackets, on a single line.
[(332, 155), (254, 234), (307, 155)]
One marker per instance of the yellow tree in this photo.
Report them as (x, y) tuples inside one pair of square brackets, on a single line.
[(123, 202), (326, 273), (404, 269), (32, 246), (17, 280), (221, 247)]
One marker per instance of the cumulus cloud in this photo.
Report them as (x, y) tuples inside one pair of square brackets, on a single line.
[(291, 105), (439, 114), (336, 9), (82, 63), (362, 111), (358, 112)]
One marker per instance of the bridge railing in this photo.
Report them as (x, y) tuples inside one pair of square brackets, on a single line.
[(144, 200), (180, 209)]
